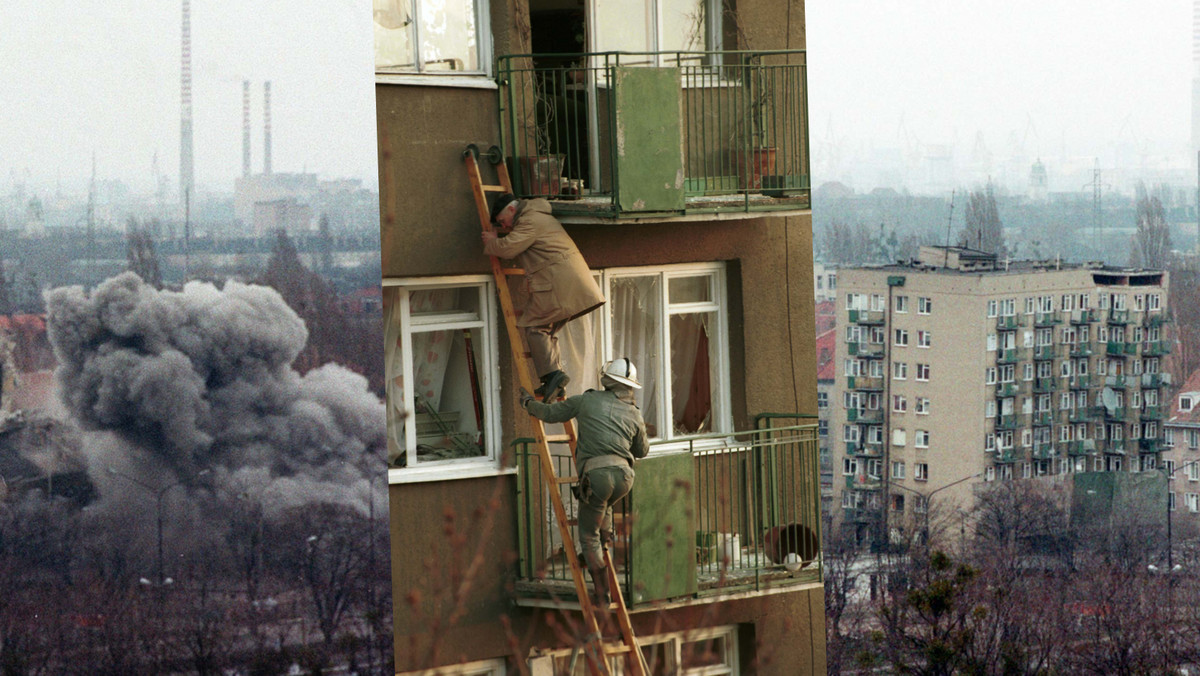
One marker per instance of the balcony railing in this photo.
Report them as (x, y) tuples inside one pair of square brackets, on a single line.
[(866, 317), (1116, 382), (1118, 316), (1044, 352), (1082, 349), (621, 134), (1081, 382), (1046, 319), (1155, 319), (1008, 356), (1008, 322), (865, 350), (870, 383), (1152, 380), (1083, 316), (1156, 348), (1045, 385), (1043, 450), (718, 517)]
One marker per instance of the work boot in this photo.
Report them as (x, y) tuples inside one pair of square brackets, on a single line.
[(553, 385), (600, 592)]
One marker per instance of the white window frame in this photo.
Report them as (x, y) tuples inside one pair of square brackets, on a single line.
[(487, 464), (921, 471), (924, 305), (722, 418), (899, 370), (923, 373), (901, 303), (921, 439), (494, 667), (900, 337), (898, 469), (922, 406), (480, 78), (674, 643)]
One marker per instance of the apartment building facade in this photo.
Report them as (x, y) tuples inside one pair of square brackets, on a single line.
[(958, 368), (678, 163), (1181, 457)]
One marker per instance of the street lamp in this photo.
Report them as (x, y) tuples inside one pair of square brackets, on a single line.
[(1170, 548), (928, 497), (158, 497)]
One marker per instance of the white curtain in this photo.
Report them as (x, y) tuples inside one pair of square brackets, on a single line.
[(634, 305), (693, 371)]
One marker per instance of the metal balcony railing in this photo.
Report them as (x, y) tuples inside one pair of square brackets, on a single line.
[(1118, 316), (616, 134), (1044, 319), (866, 317), (717, 516)]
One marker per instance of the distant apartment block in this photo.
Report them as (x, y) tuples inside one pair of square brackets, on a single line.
[(958, 368), (1181, 457)]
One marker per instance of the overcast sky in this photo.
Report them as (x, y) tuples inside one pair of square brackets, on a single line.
[(1084, 72), (104, 77)]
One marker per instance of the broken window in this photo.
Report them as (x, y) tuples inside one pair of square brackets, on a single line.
[(439, 347)]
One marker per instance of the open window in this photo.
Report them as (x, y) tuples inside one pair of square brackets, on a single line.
[(431, 37), (441, 378)]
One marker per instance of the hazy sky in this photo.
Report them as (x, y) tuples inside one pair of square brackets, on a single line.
[(1087, 72), (104, 76)]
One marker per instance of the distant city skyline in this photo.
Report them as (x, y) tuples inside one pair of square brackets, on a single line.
[(108, 82), (1074, 82)]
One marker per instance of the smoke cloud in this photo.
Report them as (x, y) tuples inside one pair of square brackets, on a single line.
[(197, 387)]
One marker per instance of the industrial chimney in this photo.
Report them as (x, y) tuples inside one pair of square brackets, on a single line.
[(186, 181), (267, 127), (245, 127)]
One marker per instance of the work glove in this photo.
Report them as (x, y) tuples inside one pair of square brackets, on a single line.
[(526, 397)]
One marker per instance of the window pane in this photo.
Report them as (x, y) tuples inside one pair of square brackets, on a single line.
[(621, 26), (394, 34), (693, 372), (690, 289), (706, 653), (685, 25), (448, 40), (446, 399), (435, 305), (636, 330)]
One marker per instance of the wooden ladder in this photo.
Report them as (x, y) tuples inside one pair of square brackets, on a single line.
[(596, 650)]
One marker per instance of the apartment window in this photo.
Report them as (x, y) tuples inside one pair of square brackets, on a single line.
[(1171, 501), (1027, 338), (1026, 437), (899, 438), (876, 369), (898, 469), (899, 403), (989, 442), (899, 370), (1027, 371), (849, 466), (922, 407), (1193, 472), (897, 502), (1065, 401), (822, 399), (852, 399), (923, 372), (875, 434), (991, 342), (1080, 464), (1169, 468), (1135, 399), (1068, 302), (1185, 403), (1045, 337), (1084, 300), (1102, 367), (856, 301), (1026, 470), (854, 333), (1102, 334), (990, 377), (989, 409), (989, 474), (1192, 500), (901, 303), (436, 430), (1138, 334), (924, 305), (922, 439), (1068, 335), (873, 400), (877, 303), (877, 335), (670, 322), (432, 37), (1193, 440), (1030, 305), (1008, 373), (921, 471), (1103, 303), (1147, 463), (875, 468), (1045, 369), (850, 433), (1139, 302), (1169, 436), (823, 428), (1065, 369), (924, 338), (1081, 367), (993, 308), (1155, 301), (901, 338), (1008, 307), (657, 26), (1118, 301), (852, 367), (1006, 472), (1098, 464), (1004, 440), (1045, 304)]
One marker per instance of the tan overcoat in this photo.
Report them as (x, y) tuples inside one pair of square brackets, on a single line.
[(559, 283)]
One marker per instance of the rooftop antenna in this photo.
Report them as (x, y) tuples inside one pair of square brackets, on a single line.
[(949, 222)]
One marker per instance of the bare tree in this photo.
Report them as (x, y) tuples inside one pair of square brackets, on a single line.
[(141, 253), (983, 230), (1151, 244)]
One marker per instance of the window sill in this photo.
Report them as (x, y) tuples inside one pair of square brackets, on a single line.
[(472, 81), (398, 476)]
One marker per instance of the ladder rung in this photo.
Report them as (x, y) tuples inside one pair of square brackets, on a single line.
[(615, 649), (557, 439), (513, 271), (567, 479), (494, 188)]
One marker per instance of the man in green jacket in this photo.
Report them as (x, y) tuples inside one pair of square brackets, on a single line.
[(611, 434)]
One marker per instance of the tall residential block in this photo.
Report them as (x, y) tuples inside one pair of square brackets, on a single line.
[(958, 368)]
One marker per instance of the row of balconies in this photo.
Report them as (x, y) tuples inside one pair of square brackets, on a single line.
[(1078, 317), (1081, 447)]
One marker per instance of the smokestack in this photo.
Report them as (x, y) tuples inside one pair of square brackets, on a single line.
[(245, 127), (186, 181), (267, 127)]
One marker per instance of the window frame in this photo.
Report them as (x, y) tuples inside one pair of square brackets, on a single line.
[(488, 464), (722, 414), (480, 78)]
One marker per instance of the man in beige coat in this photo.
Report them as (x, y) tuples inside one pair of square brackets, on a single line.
[(560, 285)]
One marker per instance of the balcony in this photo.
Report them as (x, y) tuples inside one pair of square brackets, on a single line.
[(867, 383), (861, 514), (863, 482), (1006, 456), (1083, 316), (1009, 323), (1156, 348), (1081, 447), (1080, 415), (1115, 348), (1150, 445), (1008, 422), (1118, 316), (1081, 382), (1153, 413), (1116, 382), (1043, 450), (1044, 319), (1043, 419), (1155, 319), (736, 504), (619, 135), (864, 350), (864, 416), (1115, 446), (1010, 356), (1007, 389), (1152, 380), (1043, 352), (1045, 385), (1081, 349), (1114, 413), (866, 317)]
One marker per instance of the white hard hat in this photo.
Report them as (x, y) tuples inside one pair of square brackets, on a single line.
[(621, 370)]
